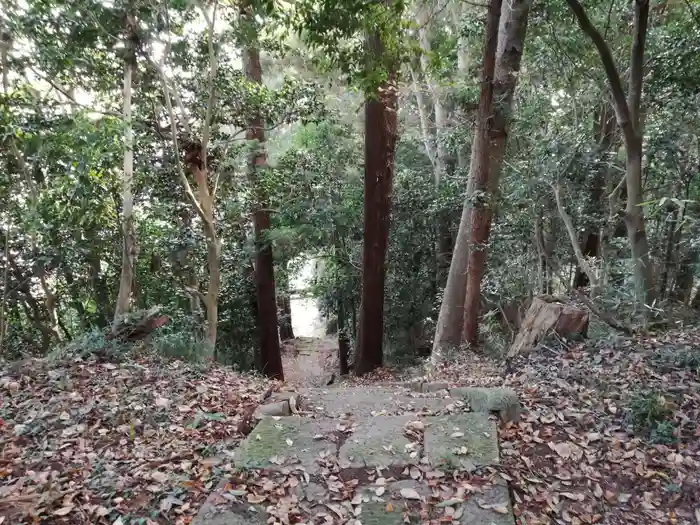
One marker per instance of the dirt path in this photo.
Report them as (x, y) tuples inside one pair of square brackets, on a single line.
[(309, 361)]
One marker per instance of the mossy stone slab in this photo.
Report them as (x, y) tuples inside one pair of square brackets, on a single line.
[(463, 441), (380, 442), (278, 442)]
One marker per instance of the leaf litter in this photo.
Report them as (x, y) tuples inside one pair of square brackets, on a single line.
[(576, 456), (139, 441)]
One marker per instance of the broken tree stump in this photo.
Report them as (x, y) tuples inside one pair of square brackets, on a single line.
[(546, 315)]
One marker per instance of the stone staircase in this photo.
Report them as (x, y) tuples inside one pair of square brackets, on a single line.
[(379, 455)]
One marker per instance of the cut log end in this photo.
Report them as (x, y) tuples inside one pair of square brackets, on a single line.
[(546, 316)]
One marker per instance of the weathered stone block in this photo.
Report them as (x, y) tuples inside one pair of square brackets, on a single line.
[(502, 400), (463, 441), (274, 443), (380, 442), (280, 408), (435, 387)]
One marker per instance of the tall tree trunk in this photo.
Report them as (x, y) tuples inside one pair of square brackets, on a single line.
[(502, 54), (264, 262), (343, 339), (482, 202), (129, 236), (284, 308), (627, 111), (380, 149), (442, 164)]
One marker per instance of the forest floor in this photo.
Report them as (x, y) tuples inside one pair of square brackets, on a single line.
[(609, 434)]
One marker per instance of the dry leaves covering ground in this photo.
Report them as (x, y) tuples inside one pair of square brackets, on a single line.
[(609, 435), (119, 443)]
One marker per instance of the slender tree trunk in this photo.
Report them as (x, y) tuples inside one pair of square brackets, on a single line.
[(343, 340), (5, 274), (284, 308), (264, 262), (482, 203), (502, 54), (380, 149), (129, 235), (627, 111)]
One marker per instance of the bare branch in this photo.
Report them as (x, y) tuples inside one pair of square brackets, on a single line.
[(580, 258), (212, 75), (618, 94), (69, 96), (181, 172), (641, 21), (693, 14)]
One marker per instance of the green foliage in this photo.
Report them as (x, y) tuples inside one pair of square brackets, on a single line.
[(650, 413), (91, 345), (182, 345)]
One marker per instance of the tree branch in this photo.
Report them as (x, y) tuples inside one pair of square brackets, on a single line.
[(592, 277), (181, 172), (641, 21), (618, 94), (71, 98), (212, 75)]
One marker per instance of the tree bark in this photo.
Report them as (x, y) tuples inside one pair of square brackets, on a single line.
[(571, 230), (271, 357), (380, 148), (481, 214), (284, 307), (628, 111), (484, 157), (129, 235), (343, 339)]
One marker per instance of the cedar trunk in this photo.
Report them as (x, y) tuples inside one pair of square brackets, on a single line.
[(493, 130), (380, 146), (270, 356), (129, 236)]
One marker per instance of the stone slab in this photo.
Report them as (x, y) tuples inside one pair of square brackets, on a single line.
[(379, 442), (268, 445), (367, 402), (237, 515), (474, 512), (446, 436), (502, 400)]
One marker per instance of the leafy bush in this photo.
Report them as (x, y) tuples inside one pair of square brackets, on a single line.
[(182, 345), (91, 344), (650, 413)]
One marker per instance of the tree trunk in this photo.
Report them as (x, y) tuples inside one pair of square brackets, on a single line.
[(284, 307), (634, 220), (264, 262), (627, 111), (571, 230), (591, 242), (380, 149), (129, 236), (493, 129), (343, 339)]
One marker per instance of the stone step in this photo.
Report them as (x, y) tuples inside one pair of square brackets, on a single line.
[(459, 441), (317, 451), (490, 505), (329, 436), (369, 401)]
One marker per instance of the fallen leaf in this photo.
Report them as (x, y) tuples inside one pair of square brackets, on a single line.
[(63, 511), (409, 493)]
